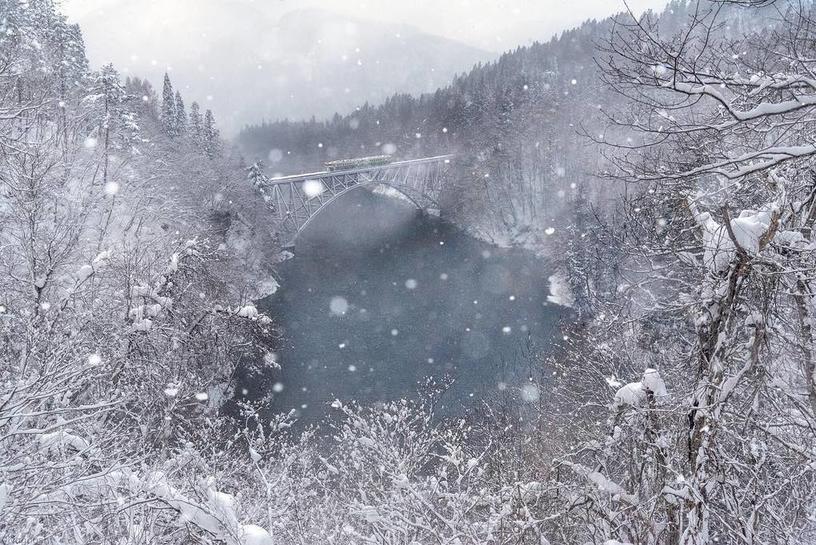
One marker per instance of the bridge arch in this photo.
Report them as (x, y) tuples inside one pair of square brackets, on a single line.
[(339, 195), (296, 200)]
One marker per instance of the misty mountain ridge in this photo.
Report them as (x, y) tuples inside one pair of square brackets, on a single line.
[(310, 62), (335, 56)]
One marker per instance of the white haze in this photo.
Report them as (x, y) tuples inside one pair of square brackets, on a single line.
[(251, 60)]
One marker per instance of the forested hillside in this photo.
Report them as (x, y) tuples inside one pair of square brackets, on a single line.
[(525, 128), (129, 253), (514, 122), (679, 408)]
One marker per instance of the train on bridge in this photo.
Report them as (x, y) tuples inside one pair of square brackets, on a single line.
[(359, 162), (296, 199)]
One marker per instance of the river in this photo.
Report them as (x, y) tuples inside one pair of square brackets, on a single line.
[(379, 298)]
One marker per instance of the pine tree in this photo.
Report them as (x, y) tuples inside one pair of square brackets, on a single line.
[(211, 136), (255, 174), (112, 115), (168, 108), (180, 124), (71, 66), (195, 126)]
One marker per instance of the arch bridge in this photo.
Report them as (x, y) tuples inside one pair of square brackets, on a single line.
[(296, 200)]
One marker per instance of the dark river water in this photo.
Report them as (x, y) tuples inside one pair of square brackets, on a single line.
[(379, 298)]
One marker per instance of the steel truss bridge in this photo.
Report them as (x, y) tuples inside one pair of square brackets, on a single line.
[(296, 200)]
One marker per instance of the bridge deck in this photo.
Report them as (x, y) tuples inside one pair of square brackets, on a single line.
[(294, 178), (295, 200)]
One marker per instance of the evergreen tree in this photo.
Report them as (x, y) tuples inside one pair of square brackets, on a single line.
[(114, 121), (71, 67), (180, 124), (211, 136), (195, 126), (168, 108), (255, 174), (145, 100)]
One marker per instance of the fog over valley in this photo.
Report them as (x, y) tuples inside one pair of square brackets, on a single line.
[(252, 61)]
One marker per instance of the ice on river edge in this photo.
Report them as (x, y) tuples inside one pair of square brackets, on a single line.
[(560, 292)]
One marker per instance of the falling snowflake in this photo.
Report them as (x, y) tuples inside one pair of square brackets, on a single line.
[(338, 306), (111, 188), (313, 188), (530, 393)]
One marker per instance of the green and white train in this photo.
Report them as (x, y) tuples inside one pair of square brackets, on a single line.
[(360, 162)]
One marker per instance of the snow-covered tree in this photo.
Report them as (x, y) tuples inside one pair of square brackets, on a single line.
[(108, 294), (115, 122), (718, 161), (180, 124), (211, 136), (168, 108), (196, 125)]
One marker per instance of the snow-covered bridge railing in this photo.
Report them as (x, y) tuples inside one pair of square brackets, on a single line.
[(295, 200)]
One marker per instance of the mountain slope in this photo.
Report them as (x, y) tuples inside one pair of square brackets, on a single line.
[(519, 125), (309, 62), (513, 123)]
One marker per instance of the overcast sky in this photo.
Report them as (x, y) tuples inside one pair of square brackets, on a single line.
[(495, 25)]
